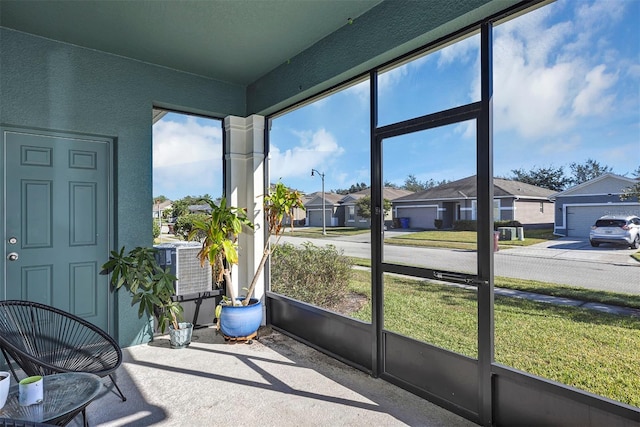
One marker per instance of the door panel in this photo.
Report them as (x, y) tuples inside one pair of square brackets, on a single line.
[(57, 209)]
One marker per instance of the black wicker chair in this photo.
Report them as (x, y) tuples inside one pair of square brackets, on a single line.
[(44, 340), (6, 422)]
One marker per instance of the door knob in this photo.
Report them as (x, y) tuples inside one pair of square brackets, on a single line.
[(13, 256)]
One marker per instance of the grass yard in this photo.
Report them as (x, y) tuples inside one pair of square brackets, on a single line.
[(589, 350), (463, 239), (316, 232), (563, 291)]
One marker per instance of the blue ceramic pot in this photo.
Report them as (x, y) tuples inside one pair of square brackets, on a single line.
[(239, 321)]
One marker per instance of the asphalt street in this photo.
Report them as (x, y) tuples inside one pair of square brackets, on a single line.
[(563, 261)]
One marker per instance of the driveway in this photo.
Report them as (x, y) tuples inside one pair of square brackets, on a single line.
[(570, 248)]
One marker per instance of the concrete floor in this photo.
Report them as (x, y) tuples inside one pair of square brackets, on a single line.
[(276, 381)]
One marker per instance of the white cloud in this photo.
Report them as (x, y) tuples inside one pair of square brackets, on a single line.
[(460, 52), (360, 91), (388, 79), (589, 100), (600, 13), (554, 147), (187, 158), (545, 77), (176, 143), (314, 149)]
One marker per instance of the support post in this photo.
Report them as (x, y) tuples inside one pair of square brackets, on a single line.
[(244, 184)]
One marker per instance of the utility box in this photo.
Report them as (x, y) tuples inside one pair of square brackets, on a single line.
[(193, 288), (182, 260), (507, 233)]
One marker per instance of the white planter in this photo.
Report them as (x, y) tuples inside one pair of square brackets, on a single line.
[(5, 382), (180, 338)]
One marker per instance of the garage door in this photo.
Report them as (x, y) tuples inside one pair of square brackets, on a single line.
[(419, 217), (315, 218), (581, 218)]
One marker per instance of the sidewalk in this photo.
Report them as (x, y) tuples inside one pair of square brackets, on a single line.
[(606, 308)]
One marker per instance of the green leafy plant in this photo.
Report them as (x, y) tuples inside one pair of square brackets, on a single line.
[(150, 286), (315, 275), (184, 224), (279, 204), (218, 231), (224, 224), (364, 207), (156, 230)]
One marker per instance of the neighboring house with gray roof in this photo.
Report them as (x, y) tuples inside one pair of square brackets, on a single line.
[(194, 209), (578, 208), (457, 200), (313, 207), (350, 210)]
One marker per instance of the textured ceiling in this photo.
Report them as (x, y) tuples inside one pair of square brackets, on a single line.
[(234, 41)]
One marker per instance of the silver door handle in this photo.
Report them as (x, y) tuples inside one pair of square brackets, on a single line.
[(13, 256)]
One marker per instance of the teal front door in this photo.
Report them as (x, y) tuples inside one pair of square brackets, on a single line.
[(57, 222)]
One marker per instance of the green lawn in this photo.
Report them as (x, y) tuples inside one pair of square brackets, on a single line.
[(564, 291), (463, 239), (316, 232), (589, 350)]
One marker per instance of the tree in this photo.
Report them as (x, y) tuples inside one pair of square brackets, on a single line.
[(353, 189), (413, 184), (363, 205), (159, 199), (587, 170), (633, 191), (181, 206), (549, 177), (184, 225)]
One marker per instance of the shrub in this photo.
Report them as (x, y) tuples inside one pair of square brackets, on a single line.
[(437, 223), (156, 230), (315, 275), (465, 225), (184, 224)]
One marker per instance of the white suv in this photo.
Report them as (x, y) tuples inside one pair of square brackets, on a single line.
[(614, 229)]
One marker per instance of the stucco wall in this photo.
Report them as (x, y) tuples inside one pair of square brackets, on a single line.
[(528, 213), (55, 86)]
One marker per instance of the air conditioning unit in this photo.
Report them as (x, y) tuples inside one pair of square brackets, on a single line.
[(181, 258), (507, 233)]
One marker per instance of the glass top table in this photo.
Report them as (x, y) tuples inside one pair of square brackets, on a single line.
[(65, 396)]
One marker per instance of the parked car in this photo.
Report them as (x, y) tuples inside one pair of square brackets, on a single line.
[(623, 230)]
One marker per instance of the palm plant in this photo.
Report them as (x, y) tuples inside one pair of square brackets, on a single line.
[(223, 225), (220, 229)]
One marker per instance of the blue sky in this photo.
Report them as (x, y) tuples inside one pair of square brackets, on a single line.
[(566, 89)]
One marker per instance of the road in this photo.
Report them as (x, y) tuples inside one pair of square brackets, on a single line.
[(564, 261)]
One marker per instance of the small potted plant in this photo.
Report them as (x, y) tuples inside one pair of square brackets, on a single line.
[(240, 317), (152, 288)]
